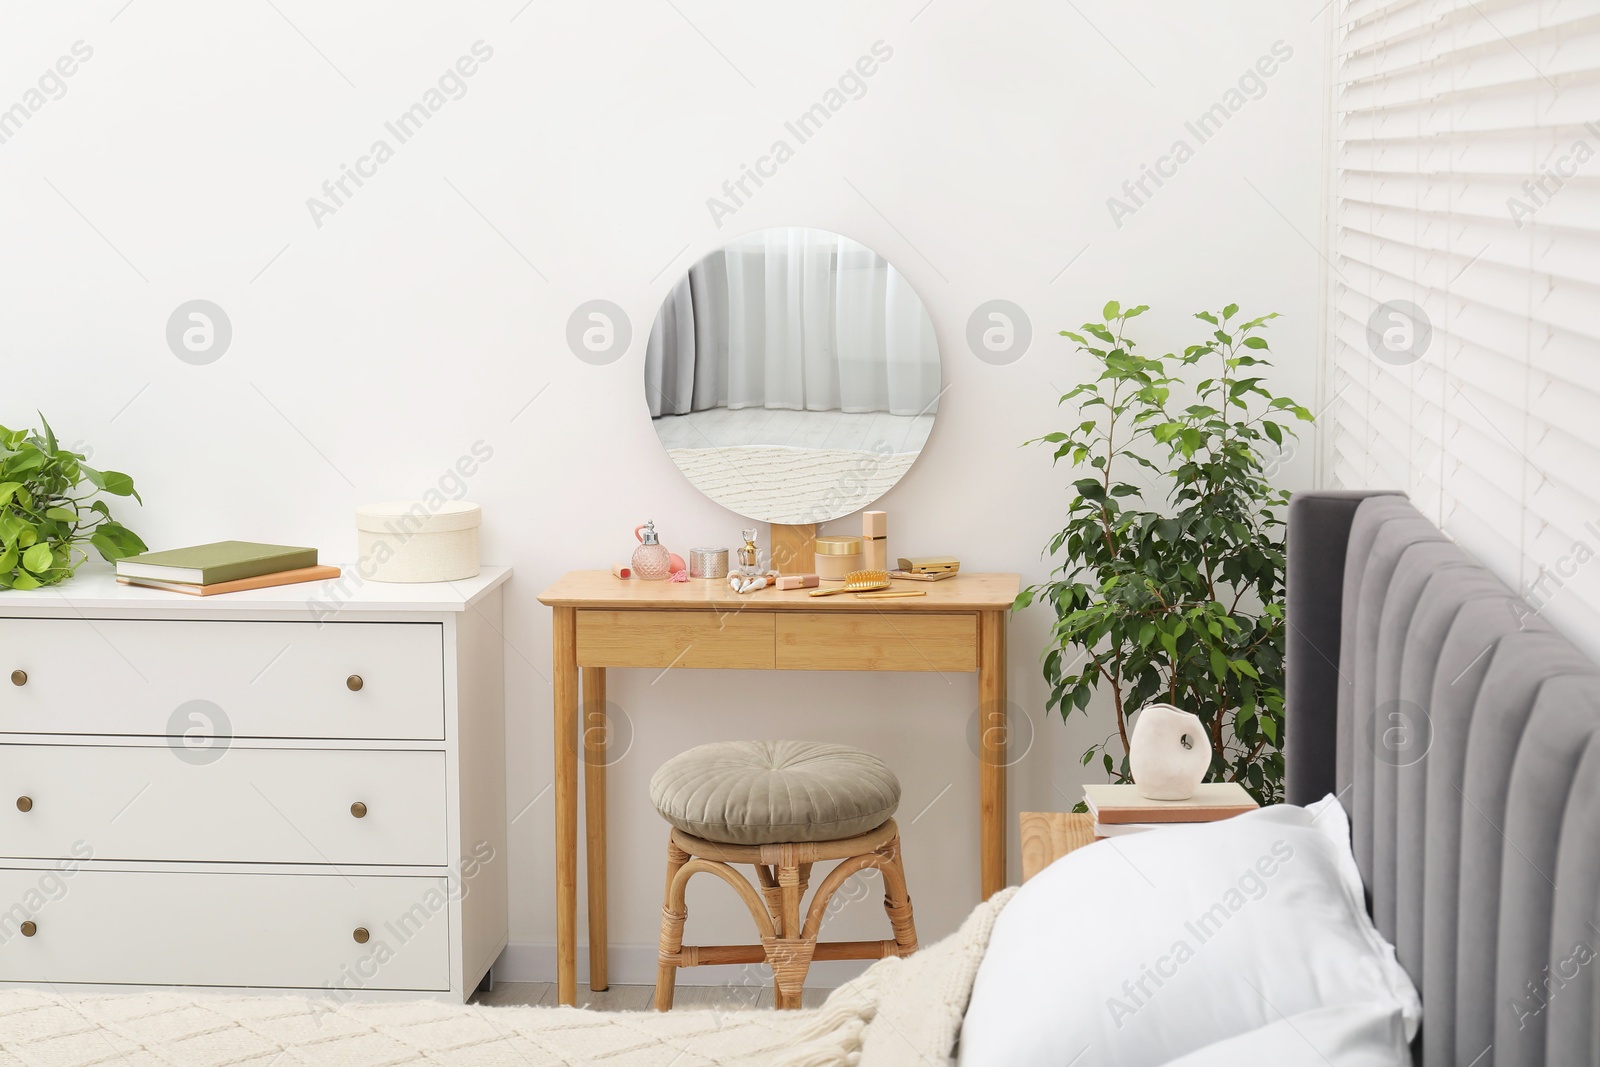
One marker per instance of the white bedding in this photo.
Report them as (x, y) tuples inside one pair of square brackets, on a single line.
[(1348, 1035), (1140, 949)]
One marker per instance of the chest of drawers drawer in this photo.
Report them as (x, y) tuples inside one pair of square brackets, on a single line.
[(244, 806), (283, 930), (244, 679)]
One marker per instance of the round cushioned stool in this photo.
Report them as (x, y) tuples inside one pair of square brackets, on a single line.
[(781, 806)]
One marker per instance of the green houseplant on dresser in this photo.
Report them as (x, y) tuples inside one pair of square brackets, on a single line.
[(1180, 602), (51, 505)]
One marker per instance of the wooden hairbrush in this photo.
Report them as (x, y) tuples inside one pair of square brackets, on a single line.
[(857, 582)]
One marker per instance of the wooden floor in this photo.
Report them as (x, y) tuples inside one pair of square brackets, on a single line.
[(640, 997)]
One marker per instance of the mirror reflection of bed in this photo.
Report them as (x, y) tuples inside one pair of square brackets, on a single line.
[(793, 375)]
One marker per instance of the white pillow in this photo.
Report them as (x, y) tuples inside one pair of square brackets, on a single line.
[(1140, 949), (1350, 1035)]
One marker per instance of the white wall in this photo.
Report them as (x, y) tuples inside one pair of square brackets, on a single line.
[(429, 312)]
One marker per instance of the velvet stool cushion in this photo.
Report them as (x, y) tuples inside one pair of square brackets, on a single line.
[(771, 792)]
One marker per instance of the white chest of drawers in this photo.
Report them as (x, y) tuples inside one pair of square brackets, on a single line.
[(299, 788)]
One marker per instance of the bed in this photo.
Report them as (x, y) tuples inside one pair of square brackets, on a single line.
[(1440, 734), (1462, 735)]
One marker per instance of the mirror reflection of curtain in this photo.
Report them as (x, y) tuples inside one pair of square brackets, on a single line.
[(690, 321), (796, 319)]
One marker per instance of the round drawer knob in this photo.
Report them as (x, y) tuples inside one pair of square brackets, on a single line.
[(19, 677), (361, 935), (29, 928), (24, 803), (359, 810), (352, 683)]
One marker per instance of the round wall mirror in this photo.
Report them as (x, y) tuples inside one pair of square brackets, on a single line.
[(793, 375)]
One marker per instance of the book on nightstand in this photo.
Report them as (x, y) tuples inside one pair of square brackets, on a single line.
[(1119, 809)]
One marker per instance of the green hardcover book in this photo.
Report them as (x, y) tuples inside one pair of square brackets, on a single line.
[(223, 561)]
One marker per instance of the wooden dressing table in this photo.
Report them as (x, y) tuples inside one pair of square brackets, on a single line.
[(601, 622)]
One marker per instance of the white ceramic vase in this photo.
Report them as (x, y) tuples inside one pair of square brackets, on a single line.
[(1168, 752)]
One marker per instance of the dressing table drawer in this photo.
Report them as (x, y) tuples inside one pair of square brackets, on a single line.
[(832, 641), (736, 640)]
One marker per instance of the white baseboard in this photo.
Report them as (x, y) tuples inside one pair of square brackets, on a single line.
[(535, 961)]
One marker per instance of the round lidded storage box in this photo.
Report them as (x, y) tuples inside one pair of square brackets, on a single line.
[(414, 541)]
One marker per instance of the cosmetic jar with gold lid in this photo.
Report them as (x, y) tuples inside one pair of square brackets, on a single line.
[(837, 556)]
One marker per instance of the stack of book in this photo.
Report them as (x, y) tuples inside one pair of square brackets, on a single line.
[(223, 567), (1119, 809)]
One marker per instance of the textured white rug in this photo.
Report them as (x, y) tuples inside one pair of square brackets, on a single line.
[(897, 1014), (170, 1029), (791, 485)]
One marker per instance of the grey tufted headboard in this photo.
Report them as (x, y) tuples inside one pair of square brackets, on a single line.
[(1462, 733)]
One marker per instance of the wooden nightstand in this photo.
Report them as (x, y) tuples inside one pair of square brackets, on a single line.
[(1049, 835)]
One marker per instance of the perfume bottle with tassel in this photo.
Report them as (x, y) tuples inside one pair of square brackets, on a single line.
[(651, 560)]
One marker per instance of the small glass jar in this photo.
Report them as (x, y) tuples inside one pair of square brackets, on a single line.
[(651, 560), (708, 563), (749, 555), (837, 556)]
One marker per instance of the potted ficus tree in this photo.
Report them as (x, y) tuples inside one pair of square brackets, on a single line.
[(1171, 585), (51, 506)]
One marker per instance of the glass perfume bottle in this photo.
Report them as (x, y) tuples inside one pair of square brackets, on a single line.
[(749, 555), (651, 560)]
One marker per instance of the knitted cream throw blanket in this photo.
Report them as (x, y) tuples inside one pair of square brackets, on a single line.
[(898, 1013)]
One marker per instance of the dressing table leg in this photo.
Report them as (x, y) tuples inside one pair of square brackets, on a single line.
[(564, 663), (992, 750), (596, 736)]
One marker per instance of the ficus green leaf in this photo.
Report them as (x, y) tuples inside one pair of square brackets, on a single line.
[(1169, 577)]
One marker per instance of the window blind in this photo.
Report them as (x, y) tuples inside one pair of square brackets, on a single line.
[(1466, 215)]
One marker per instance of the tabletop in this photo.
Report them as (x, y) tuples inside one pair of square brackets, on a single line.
[(95, 588), (600, 589)]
